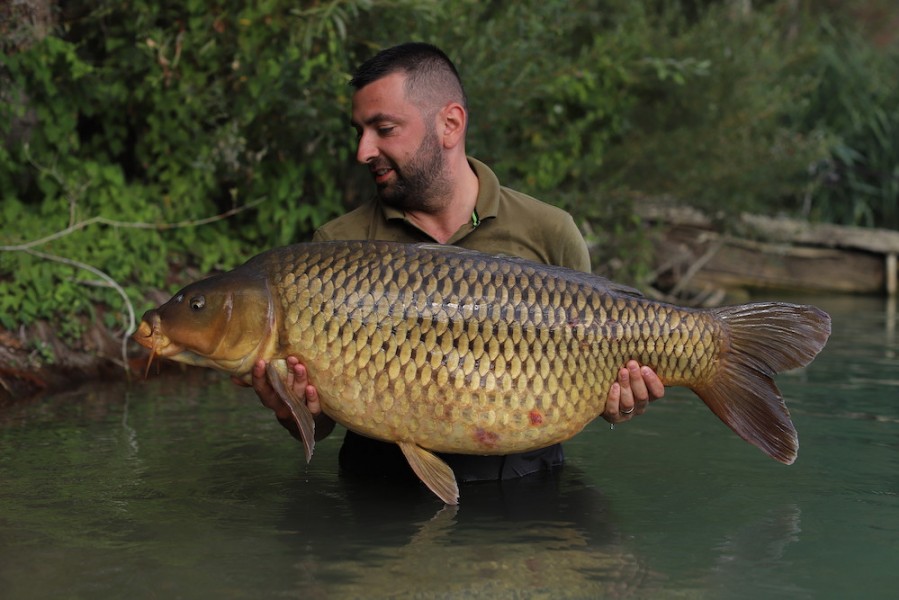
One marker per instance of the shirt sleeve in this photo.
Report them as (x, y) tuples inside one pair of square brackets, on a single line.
[(573, 251)]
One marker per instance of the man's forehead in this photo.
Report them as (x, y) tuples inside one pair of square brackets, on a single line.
[(381, 100)]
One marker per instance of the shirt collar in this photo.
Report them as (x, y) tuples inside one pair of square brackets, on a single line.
[(488, 189)]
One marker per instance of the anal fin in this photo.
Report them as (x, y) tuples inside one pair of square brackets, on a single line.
[(432, 471), (301, 415)]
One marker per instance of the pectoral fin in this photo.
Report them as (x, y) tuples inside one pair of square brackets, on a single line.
[(301, 415), (433, 472)]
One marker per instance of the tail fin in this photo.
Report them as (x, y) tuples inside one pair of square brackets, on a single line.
[(764, 339)]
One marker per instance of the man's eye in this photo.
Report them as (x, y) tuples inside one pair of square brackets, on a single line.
[(385, 130)]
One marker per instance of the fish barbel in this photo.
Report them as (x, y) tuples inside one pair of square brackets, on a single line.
[(442, 349)]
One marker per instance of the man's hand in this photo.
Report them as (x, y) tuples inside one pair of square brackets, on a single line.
[(629, 396), (298, 381)]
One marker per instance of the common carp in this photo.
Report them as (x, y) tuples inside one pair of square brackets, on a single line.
[(442, 349)]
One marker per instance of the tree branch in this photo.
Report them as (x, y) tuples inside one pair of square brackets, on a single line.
[(108, 282), (130, 224)]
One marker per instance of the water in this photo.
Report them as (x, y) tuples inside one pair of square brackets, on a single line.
[(184, 487)]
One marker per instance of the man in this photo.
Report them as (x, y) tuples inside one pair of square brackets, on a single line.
[(410, 114)]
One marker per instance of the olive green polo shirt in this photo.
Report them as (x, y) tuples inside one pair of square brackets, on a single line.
[(504, 222)]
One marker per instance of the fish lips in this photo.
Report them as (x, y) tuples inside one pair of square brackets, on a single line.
[(149, 335)]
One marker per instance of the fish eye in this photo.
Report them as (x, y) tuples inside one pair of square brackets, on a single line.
[(197, 302)]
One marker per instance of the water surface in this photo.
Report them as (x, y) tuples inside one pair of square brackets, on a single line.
[(185, 487)]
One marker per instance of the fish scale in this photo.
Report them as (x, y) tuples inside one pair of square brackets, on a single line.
[(441, 349)]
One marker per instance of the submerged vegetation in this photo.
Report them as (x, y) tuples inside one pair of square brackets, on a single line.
[(146, 142)]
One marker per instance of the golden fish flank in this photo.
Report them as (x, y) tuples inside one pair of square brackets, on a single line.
[(448, 350)]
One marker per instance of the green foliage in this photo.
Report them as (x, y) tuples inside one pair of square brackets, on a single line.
[(858, 99), (135, 116), (711, 121), (563, 91), (156, 113)]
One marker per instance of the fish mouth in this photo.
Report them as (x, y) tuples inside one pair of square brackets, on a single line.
[(149, 335)]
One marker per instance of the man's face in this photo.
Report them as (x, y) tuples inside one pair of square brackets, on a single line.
[(400, 147)]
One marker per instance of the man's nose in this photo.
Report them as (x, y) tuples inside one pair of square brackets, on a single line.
[(367, 150)]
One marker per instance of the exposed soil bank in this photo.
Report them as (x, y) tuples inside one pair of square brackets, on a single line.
[(34, 360)]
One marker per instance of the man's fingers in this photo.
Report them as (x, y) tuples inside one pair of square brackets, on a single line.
[(653, 384), (610, 413), (299, 372), (638, 391), (631, 392), (259, 369), (627, 403), (312, 402)]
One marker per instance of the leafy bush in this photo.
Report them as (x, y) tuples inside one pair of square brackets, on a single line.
[(712, 122), (157, 113), (857, 98), (132, 123)]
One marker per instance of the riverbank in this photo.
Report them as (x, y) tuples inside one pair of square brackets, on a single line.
[(34, 360), (694, 258)]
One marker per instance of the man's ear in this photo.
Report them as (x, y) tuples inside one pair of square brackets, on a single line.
[(451, 125)]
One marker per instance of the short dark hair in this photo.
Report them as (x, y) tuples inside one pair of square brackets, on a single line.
[(431, 77)]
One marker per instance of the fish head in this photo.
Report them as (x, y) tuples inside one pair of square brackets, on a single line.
[(225, 322)]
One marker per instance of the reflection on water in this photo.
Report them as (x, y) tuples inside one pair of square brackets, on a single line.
[(185, 487), (494, 547)]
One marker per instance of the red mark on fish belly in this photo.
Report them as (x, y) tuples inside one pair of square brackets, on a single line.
[(536, 417), (486, 438)]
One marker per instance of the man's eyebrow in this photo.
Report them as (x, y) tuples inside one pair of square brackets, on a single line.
[(372, 120)]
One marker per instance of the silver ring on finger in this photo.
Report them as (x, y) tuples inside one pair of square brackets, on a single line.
[(627, 412)]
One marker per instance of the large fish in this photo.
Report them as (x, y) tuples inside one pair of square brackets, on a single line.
[(441, 349)]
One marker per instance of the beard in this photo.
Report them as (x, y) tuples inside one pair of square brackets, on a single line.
[(420, 184)]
